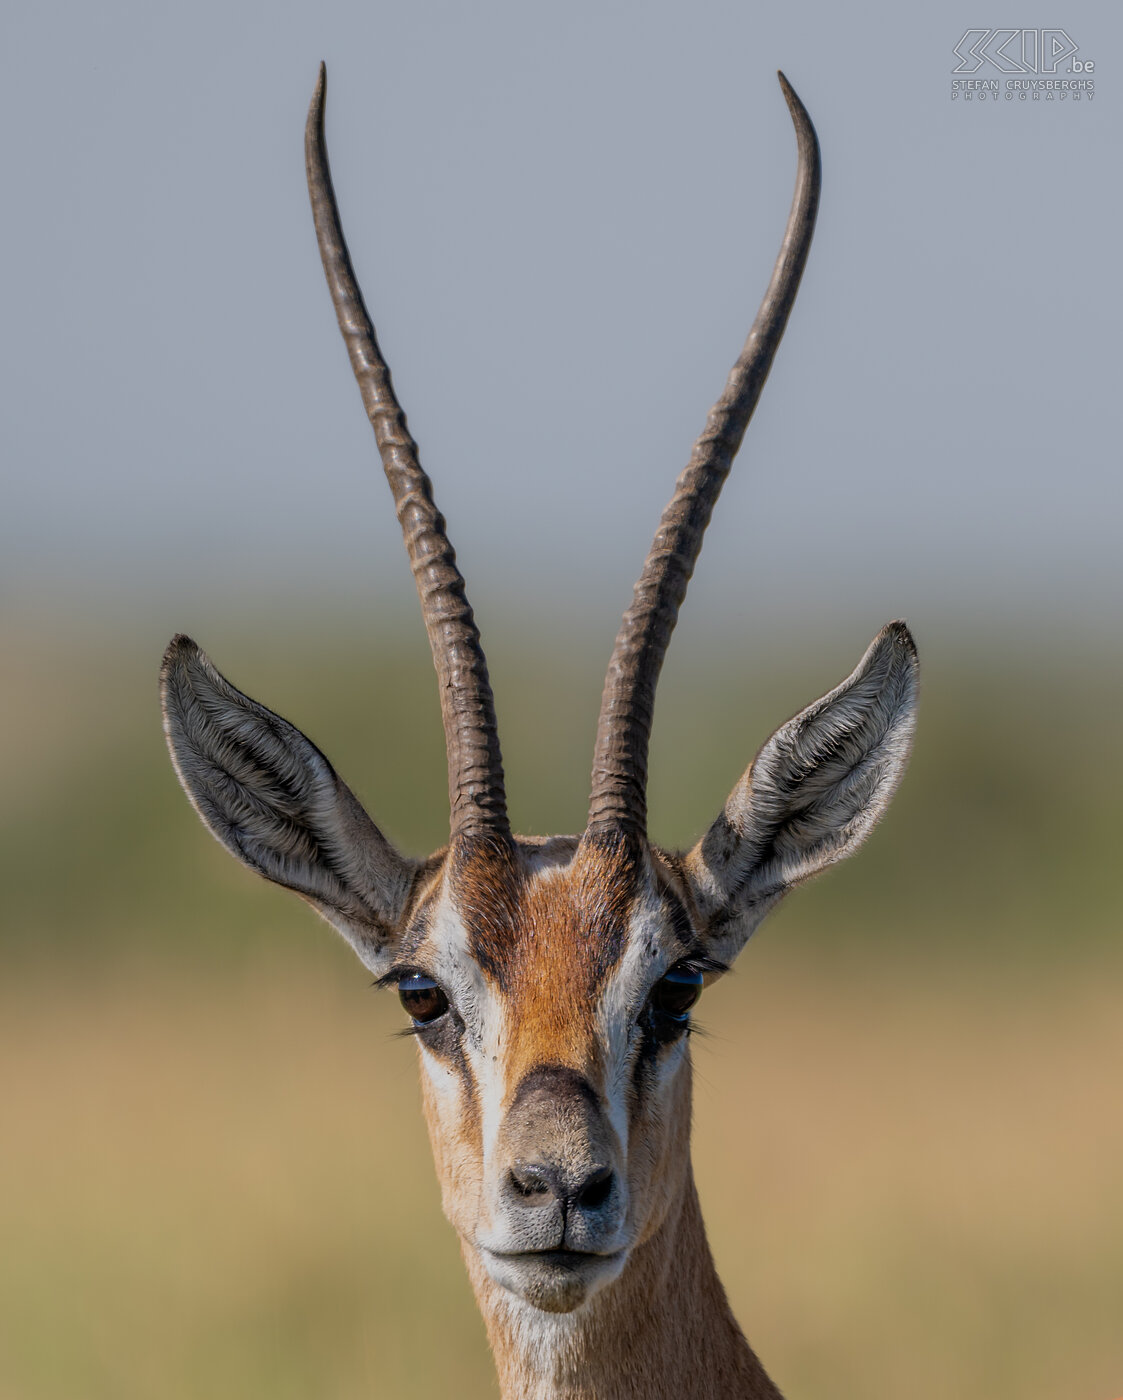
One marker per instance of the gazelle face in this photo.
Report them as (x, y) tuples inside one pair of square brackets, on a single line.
[(550, 982), (553, 1052)]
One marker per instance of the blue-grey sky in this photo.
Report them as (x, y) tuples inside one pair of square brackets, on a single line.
[(563, 217)]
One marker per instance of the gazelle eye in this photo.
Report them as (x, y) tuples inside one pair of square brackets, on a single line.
[(422, 998), (675, 993)]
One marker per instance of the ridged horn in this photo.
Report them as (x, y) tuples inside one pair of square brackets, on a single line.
[(618, 801), (475, 768)]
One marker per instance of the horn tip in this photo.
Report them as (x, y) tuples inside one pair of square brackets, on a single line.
[(791, 97), (805, 129), (314, 125)]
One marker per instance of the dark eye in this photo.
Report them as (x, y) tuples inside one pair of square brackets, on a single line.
[(674, 994), (422, 998)]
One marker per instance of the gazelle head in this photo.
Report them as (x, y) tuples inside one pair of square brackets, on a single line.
[(550, 981)]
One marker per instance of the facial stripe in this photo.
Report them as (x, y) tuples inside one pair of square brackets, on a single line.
[(548, 944), (654, 942)]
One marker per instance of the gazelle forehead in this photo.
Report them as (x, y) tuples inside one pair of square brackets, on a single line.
[(545, 913), (548, 936)]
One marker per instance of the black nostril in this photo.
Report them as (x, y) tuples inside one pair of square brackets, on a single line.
[(534, 1179), (595, 1189)]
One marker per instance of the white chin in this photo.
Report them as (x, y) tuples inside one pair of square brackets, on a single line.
[(557, 1281)]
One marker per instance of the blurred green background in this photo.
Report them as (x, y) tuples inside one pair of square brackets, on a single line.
[(214, 1179)]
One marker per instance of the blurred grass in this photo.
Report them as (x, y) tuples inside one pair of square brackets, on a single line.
[(213, 1176)]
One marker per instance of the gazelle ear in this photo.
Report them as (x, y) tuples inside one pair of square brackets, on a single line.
[(812, 795), (274, 801)]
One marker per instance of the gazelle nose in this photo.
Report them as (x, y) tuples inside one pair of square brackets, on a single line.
[(535, 1183)]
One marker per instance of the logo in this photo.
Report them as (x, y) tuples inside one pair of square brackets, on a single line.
[(1017, 51), (1031, 62)]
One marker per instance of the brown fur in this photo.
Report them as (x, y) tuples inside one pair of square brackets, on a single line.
[(547, 942), (662, 1331)]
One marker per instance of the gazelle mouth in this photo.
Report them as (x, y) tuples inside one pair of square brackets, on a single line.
[(558, 1258), (554, 1280)]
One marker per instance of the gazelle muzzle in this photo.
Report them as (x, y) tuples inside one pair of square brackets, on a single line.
[(559, 1193)]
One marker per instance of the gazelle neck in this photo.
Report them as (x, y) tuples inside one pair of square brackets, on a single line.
[(662, 1331)]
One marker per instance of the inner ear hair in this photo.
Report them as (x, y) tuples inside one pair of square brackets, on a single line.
[(269, 795), (812, 795)]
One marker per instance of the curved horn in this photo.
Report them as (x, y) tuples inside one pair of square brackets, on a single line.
[(619, 790), (475, 768)]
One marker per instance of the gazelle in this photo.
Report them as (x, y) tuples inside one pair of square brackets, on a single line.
[(550, 981)]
